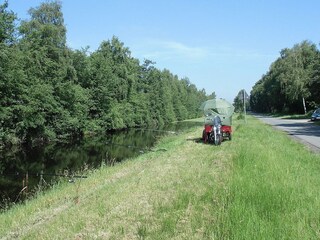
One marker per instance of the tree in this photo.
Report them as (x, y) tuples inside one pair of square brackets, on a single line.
[(314, 84), (51, 77), (12, 78), (49, 91), (296, 74), (242, 101), (44, 43), (290, 82), (7, 25), (212, 96)]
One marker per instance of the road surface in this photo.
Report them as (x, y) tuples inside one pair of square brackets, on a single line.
[(301, 129)]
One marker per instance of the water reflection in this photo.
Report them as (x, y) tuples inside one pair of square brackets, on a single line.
[(72, 158)]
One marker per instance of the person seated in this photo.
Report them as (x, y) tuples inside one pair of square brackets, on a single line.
[(217, 123)]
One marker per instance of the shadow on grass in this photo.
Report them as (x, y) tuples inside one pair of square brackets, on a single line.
[(317, 123), (196, 140), (293, 116), (201, 141), (296, 117)]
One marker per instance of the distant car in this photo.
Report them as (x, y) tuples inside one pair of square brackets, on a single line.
[(315, 115)]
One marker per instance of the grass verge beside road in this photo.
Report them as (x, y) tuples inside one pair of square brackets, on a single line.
[(272, 193), (260, 185)]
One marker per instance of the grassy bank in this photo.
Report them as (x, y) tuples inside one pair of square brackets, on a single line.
[(260, 185), (273, 191)]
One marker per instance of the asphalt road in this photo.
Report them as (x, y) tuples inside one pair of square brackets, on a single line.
[(301, 129)]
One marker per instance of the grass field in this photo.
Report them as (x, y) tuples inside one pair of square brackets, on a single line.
[(260, 185)]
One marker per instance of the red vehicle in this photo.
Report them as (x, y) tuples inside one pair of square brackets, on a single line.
[(226, 132), (218, 120), (209, 136)]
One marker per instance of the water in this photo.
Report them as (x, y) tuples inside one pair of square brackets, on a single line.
[(25, 171)]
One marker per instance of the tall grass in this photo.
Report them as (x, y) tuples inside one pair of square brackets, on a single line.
[(260, 185), (273, 192)]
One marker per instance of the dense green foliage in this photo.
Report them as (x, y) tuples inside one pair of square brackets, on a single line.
[(293, 78), (49, 91), (241, 102)]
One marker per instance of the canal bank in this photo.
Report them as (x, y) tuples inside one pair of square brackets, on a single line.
[(24, 172), (125, 200), (260, 185)]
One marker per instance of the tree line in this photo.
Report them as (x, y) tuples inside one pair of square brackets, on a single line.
[(292, 84), (50, 91)]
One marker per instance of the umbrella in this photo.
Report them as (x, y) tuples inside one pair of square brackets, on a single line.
[(219, 106)]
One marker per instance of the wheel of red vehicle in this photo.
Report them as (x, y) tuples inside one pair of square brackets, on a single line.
[(204, 136), (218, 140), (230, 137)]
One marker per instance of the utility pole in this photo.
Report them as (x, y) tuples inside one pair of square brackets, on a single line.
[(304, 105), (244, 106)]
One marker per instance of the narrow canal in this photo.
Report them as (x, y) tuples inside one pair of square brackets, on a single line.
[(26, 171)]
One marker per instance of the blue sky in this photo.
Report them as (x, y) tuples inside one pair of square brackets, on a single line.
[(221, 46)]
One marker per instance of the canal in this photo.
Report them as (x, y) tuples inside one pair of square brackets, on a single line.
[(25, 171)]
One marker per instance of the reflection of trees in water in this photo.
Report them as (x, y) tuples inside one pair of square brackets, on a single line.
[(91, 152)]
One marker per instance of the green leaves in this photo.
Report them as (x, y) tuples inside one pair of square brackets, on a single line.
[(50, 92), (241, 101), (7, 20), (291, 78)]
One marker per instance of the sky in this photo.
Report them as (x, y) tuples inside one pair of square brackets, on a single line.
[(220, 46)]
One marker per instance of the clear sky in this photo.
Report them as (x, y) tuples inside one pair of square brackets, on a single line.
[(220, 45)]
